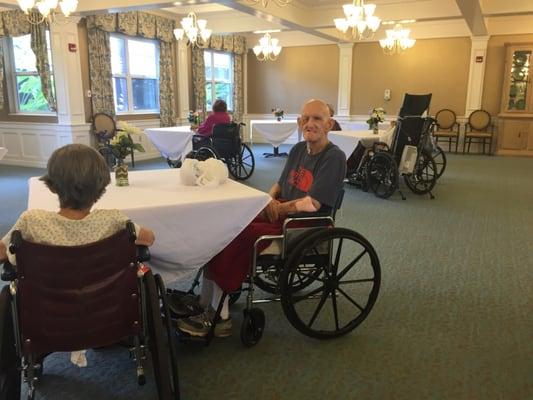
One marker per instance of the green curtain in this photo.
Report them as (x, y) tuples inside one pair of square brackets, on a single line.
[(40, 49), (167, 110), (100, 72), (133, 24), (15, 23), (198, 78), (229, 43)]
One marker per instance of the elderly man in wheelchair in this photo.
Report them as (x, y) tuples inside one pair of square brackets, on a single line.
[(311, 183), (76, 281)]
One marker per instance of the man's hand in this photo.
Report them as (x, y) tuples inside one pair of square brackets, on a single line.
[(271, 211)]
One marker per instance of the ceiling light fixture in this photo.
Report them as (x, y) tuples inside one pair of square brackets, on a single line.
[(397, 40), (47, 9), (280, 3), (268, 48), (360, 18), (193, 29)]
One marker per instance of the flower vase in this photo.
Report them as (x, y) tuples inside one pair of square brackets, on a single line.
[(279, 119), (121, 173), (375, 129)]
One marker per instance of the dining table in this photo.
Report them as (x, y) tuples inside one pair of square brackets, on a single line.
[(191, 223), (273, 131), (347, 141), (173, 142)]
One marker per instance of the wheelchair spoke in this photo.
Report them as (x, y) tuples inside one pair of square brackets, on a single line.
[(318, 308), (357, 281), (297, 299), (350, 299), (349, 266), (338, 256), (335, 311)]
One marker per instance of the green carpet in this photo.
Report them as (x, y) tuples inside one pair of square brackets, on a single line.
[(452, 321)]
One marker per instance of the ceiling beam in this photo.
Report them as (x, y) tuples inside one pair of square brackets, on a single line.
[(473, 16)]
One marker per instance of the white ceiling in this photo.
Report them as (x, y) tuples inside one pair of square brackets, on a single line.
[(311, 21)]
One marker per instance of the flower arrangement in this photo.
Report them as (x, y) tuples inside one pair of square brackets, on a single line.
[(122, 143), (195, 117), (278, 113), (377, 115)]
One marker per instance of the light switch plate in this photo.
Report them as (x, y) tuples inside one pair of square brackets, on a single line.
[(386, 95)]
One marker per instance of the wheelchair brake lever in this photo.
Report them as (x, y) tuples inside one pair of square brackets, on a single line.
[(9, 272)]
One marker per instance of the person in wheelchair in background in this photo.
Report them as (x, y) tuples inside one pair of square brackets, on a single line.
[(78, 174), (205, 129), (310, 182)]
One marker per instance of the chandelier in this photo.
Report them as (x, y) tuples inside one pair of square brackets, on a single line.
[(360, 18), (268, 48), (280, 3), (47, 9), (193, 29), (397, 40)]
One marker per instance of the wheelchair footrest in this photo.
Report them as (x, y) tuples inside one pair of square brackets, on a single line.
[(182, 304)]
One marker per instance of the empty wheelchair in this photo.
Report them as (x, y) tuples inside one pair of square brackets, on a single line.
[(410, 154), (327, 278), (226, 144), (63, 299)]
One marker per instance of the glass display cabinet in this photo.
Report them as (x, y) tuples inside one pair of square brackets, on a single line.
[(516, 117)]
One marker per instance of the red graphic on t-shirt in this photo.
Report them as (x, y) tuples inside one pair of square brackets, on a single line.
[(301, 179)]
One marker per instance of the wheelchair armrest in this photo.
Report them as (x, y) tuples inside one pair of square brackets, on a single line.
[(9, 272), (308, 215), (143, 253)]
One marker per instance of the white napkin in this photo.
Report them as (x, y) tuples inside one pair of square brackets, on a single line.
[(211, 172)]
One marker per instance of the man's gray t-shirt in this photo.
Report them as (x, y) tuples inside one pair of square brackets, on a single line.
[(319, 176)]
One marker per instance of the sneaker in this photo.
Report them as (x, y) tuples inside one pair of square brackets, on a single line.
[(199, 325)]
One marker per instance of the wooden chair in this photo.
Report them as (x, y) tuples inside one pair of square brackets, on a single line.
[(104, 128), (447, 128), (479, 129)]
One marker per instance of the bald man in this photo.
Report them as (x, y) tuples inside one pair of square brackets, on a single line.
[(311, 181)]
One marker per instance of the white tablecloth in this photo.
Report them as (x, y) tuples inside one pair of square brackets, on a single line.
[(275, 132), (348, 140), (172, 142), (191, 223), (3, 152)]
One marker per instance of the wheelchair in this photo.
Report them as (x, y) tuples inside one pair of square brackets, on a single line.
[(309, 264), (410, 154), (227, 145), (63, 299)]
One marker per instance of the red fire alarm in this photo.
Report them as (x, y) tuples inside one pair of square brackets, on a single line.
[(72, 47), (479, 59)]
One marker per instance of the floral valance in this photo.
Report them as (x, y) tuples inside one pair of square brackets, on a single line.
[(134, 23), (230, 43), (15, 23)]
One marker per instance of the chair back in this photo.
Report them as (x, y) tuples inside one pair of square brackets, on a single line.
[(104, 124), (479, 120), (73, 298), (227, 139), (445, 119), (415, 104)]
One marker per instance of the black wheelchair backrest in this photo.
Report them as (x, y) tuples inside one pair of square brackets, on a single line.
[(415, 104)]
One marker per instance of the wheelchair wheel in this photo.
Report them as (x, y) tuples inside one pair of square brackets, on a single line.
[(159, 343), (252, 326), (174, 163), (242, 165), (440, 160), (348, 282), (424, 176), (382, 175), (202, 154), (10, 375)]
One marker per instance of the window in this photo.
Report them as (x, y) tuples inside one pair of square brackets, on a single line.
[(24, 89), (135, 70), (218, 78)]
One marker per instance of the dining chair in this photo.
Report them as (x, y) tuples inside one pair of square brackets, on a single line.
[(104, 128), (447, 128), (479, 129)]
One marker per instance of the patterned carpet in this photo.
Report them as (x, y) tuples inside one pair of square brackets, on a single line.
[(452, 321)]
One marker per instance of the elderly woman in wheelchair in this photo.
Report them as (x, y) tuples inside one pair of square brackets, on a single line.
[(311, 267), (74, 278)]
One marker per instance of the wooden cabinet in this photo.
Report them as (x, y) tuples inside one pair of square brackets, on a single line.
[(515, 128)]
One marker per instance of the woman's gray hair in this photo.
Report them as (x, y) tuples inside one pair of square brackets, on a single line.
[(78, 174)]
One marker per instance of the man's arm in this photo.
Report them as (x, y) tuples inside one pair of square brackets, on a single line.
[(304, 204), (275, 191)]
